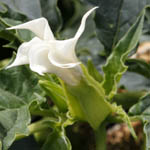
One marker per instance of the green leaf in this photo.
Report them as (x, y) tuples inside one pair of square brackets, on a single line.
[(57, 140), (73, 23), (115, 67), (9, 36), (18, 89), (114, 18), (142, 111), (87, 101), (23, 35), (94, 72), (139, 66), (127, 99), (29, 8), (3, 9), (51, 11), (10, 22), (142, 107), (55, 92), (13, 121), (122, 115), (138, 83)]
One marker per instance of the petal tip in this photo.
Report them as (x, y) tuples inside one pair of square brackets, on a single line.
[(43, 18), (96, 7), (83, 21), (92, 9), (8, 67), (13, 27), (10, 28)]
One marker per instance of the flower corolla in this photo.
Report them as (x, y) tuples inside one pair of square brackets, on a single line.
[(45, 54)]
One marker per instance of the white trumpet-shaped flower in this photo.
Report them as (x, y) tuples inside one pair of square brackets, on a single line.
[(45, 54)]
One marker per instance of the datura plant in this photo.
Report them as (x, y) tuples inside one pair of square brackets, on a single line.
[(45, 54), (59, 87)]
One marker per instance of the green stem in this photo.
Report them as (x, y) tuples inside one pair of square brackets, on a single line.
[(112, 119), (44, 113), (128, 99), (144, 143), (33, 128), (100, 136)]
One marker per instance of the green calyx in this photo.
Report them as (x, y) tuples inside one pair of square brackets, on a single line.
[(87, 100)]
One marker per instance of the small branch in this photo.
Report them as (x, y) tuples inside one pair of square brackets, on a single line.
[(33, 128)]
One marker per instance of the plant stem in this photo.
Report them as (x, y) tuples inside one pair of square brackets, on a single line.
[(33, 128), (100, 136), (44, 113), (128, 99)]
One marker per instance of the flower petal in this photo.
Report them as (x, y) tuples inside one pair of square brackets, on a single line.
[(83, 21), (38, 58), (39, 62), (22, 54), (39, 26), (62, 53)]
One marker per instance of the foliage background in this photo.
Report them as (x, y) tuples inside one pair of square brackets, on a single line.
[(103, 31)]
